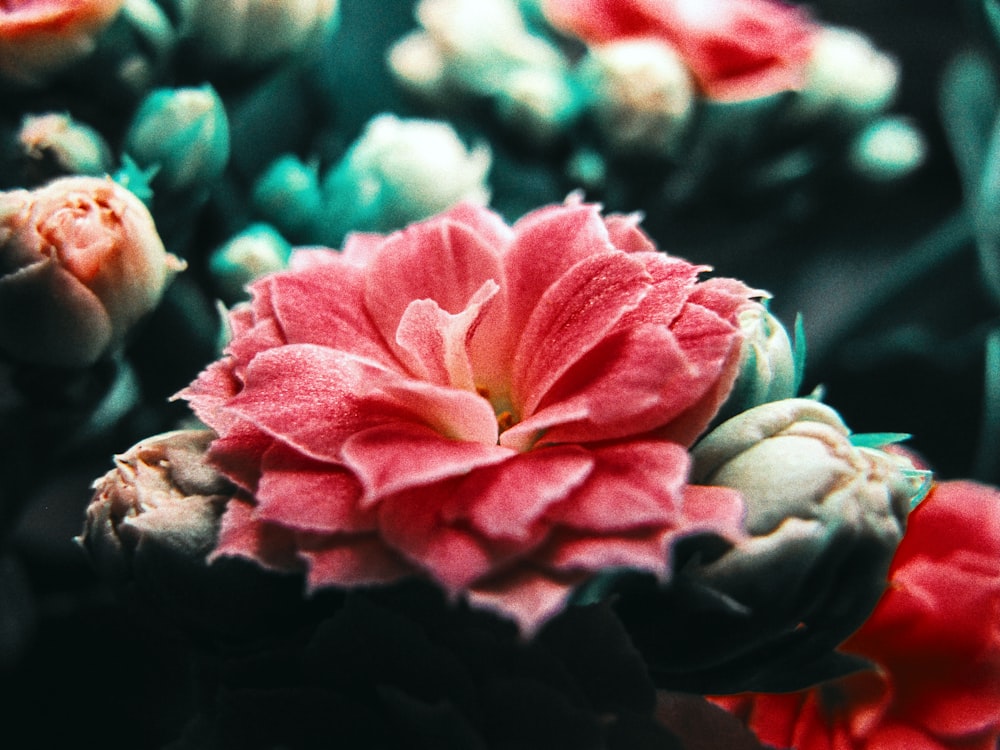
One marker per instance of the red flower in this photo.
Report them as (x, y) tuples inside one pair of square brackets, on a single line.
[(934, 640), (736, 49), (38, 37), (501, 409)]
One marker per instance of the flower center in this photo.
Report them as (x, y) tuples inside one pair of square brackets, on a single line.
[(502, 407)]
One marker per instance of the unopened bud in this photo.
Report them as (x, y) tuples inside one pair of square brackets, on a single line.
[(74, 147), (257, 250), (80, 263), (641, 94), (400, 171), (184, 133)]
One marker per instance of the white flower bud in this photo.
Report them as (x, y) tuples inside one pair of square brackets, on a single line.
[(400, 171), (848, 74), (888, 149), (641, 93)]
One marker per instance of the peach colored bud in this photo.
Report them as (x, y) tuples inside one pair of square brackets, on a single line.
[(40, 37), (80, 263)]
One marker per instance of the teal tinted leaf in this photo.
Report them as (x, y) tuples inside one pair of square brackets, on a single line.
[(878, 439), (987, 466), (968, 104), (799, 352)]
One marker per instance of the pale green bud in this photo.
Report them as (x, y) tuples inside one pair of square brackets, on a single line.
[(888, 149), (398, 172), (184, 133), (257, 250), (768, 368), (288, 195)]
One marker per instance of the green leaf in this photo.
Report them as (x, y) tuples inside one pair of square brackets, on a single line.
[(799, 352), (968, 103), (878, 439), (987, 466)]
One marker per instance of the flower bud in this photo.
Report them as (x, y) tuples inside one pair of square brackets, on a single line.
[(888, 149), (288, 195), (80, 263), (39, 37), (641, 94), (419, 65), (794, 459), (400, 171), (847, 74), (257, 250), (254, 33), (768, 370), (74, 147), (150, 526), (184, 133), (823, 519), (538, 102)]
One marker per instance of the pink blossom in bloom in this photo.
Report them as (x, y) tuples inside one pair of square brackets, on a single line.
[(736, 49), (39, 37), (933, 640), (503, 410)]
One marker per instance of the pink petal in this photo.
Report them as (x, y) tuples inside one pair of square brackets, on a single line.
[(210, 391), (340, 322), (391, 458), (307, 495), (624, 233), (581, 552), (548, 242), (506, 500), (313, 398), (715, 509), (627, 385), (633, 486), (437, 259), (529, 597), (436, 343), (411, 524), (673, 282), (454, 414), (241, 534), (360, 248), (572, 317), (239, 452), (351, 560)]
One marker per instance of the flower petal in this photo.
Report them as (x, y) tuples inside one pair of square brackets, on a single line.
[(573, 316), (391, 458), (350, 560), (242, 534), (307, 495), (506, 500)]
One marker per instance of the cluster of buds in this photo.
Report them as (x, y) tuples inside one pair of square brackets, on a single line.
[(485, 50), (396, 172)]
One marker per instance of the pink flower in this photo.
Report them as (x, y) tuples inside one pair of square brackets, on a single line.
[(736, 49), (503, 410), (39, 37), (934, 641)]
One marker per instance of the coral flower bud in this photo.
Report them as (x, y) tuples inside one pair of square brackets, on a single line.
[(184, 133), (80, 263), (42, 37)]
